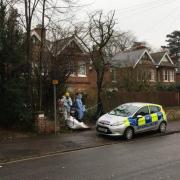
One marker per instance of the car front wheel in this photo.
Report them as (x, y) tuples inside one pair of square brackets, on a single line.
[(162, 127), (129, 133)]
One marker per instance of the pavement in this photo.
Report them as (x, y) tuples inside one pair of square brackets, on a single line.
[(42, 145)]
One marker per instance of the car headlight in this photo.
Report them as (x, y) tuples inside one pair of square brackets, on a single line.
[(117, 124)]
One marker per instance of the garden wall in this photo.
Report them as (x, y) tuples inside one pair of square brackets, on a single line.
[(166, 99)]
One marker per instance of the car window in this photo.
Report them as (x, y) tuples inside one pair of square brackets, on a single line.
[(143, 111), (154, 109), (124, 110)]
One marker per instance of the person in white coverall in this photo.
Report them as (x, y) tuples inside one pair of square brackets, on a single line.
[(67, 102), (80, 108)]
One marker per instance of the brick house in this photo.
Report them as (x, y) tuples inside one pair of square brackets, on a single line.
[(165, 67), (138, 66), (69, 53), (177, 63), (135, 66)]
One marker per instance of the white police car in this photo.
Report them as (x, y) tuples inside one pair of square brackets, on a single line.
[(131, 118)]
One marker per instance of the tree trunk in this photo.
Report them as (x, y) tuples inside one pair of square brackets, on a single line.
[(99, 110), (41, 56)]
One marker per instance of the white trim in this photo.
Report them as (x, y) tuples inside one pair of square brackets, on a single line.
[(72, 75), (171, 76), (145, 51), (33, 32), (166, 54), (80, 75)]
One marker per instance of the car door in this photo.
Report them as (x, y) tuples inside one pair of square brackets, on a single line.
[(155, 113), (143, 123)]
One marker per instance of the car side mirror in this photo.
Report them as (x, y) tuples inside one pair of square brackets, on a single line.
[(139, 116)]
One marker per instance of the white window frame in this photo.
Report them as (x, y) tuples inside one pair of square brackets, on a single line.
[(82, 63), (152, 75), (171, 76), (165, 73)]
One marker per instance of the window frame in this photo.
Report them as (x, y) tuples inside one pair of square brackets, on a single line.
[(171, 76), (159, 109), (135, 115), (85, 69), (165, 74), (72, 65), (152, 75)]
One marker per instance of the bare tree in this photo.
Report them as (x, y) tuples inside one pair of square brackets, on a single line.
[(48, 9), (62, 65), (120, 41), (95, 37)]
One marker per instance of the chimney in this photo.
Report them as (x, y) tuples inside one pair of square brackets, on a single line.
[(139, 45), (38, 29)]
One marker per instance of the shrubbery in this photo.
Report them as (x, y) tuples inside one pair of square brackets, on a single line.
[(167, 87), (15, 109)]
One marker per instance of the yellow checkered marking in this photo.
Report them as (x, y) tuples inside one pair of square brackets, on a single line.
[(141, 121), (126, 122), (164, 115), (154, 117)]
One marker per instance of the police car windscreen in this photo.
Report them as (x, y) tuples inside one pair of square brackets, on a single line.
[(124, 110)]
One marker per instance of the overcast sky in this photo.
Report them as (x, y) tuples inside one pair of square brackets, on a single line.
[(149, 20)]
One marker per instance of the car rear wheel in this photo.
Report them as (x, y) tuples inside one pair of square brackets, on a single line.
[(129, 133), (162, 127)]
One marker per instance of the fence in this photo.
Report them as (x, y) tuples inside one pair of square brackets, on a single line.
[(166, 99)]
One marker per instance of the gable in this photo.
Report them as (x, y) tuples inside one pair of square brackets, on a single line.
[(166, 61), (127, 58), (35, 34), (145, 59), (72, 46)]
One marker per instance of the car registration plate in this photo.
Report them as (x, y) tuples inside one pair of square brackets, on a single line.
[(102, 129)]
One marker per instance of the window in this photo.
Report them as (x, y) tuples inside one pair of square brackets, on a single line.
[(124, 110), (81, 69), (154, 109), (72, 68), (171, 76), (165, 75), (34, 40), (153, 75), (143, 111), (114, 75), (143, 75)]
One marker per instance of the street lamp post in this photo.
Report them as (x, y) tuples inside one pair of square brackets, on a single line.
[(55, 82)]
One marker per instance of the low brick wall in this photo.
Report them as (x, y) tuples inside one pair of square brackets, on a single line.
[(173, 113), (45, 126)]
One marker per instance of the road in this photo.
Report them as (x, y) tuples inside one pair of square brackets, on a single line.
[(156, 158)]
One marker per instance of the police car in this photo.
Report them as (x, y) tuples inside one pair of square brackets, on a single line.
[(131, 118)]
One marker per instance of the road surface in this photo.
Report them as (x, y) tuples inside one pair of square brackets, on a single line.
[(156, 158)]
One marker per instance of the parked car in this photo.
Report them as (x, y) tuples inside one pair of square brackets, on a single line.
[(131, 118)]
